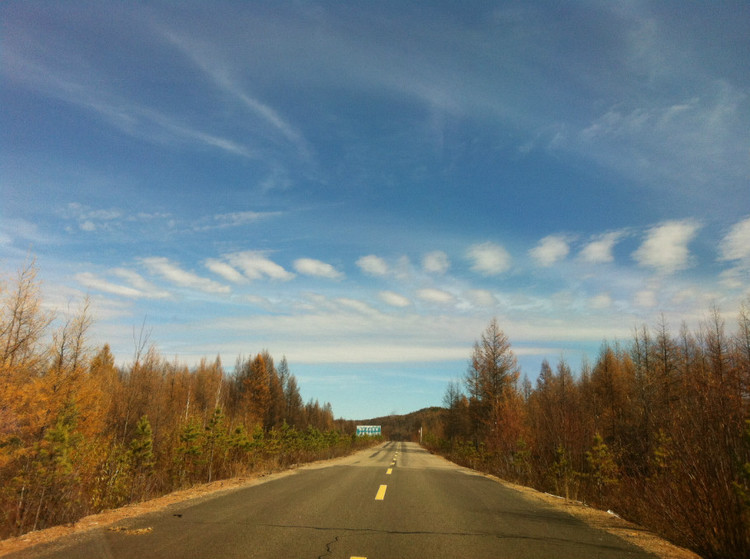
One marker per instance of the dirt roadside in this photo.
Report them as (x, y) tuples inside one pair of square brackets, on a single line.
[(598, 519)]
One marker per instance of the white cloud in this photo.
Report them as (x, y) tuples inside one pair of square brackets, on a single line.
[(550, 249), (136, 280), (432, 295), (354, 304), (255, 265), (436, 262), (373, 265), (735, 278), (666, 246), (735, 247), (736, 244), (601, 301), (312, 267), (224, 270), (90, 220), (489, 259), (139, 288), (600, 250), (394, 299), (232, 219), (481, 298), (91, 281), (645, 298), (172, 272)]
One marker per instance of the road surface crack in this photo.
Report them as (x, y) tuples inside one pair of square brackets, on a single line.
[(329, 547)]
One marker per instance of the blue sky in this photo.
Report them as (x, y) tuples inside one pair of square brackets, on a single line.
[(363, 186)]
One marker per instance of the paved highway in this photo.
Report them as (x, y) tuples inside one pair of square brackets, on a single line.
[(389, 502)]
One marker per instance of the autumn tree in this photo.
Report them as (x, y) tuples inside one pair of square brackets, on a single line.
[(275, 415), (79, 434), (456, 419), (491, 382), (294, 408), (22, 325), (256, 390), (657, 430)]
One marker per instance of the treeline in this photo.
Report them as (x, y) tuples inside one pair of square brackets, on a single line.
[(657, 430), (407, 427), (79, 434)]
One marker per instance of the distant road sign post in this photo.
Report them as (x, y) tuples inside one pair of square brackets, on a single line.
[(368, 430)]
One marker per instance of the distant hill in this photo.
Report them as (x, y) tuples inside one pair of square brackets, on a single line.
[(406, 427)]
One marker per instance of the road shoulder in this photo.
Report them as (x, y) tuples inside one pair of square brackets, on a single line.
[(602, 520), (108, 518)]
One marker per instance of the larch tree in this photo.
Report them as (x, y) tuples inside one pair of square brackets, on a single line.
[(293, 402), (257, 394), (491, 381)]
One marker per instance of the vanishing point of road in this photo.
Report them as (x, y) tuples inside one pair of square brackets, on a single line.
[(394, 501)]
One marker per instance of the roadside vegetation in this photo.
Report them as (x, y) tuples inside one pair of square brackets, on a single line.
[(657, 430), (79, 434)]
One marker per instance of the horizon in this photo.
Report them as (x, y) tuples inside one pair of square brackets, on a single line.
[(362, 189)]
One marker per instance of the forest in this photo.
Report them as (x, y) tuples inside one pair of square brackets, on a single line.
[(656, 430), (79, 434)]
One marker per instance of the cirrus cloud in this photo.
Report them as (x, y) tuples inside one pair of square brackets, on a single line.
[(92, 281), (172, 272)]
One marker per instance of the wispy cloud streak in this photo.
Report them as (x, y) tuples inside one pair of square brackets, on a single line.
[(173, 273)]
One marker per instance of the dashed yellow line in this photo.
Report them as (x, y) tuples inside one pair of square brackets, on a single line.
[(389, 471), (381, 493)]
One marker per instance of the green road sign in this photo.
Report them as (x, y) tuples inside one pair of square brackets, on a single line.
[(368, 430)]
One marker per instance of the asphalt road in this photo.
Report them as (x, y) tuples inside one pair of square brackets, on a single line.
[(389, 502)]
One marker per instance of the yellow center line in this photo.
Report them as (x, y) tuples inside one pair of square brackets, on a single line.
[(389, 471), (357, 557), (381, 493)]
